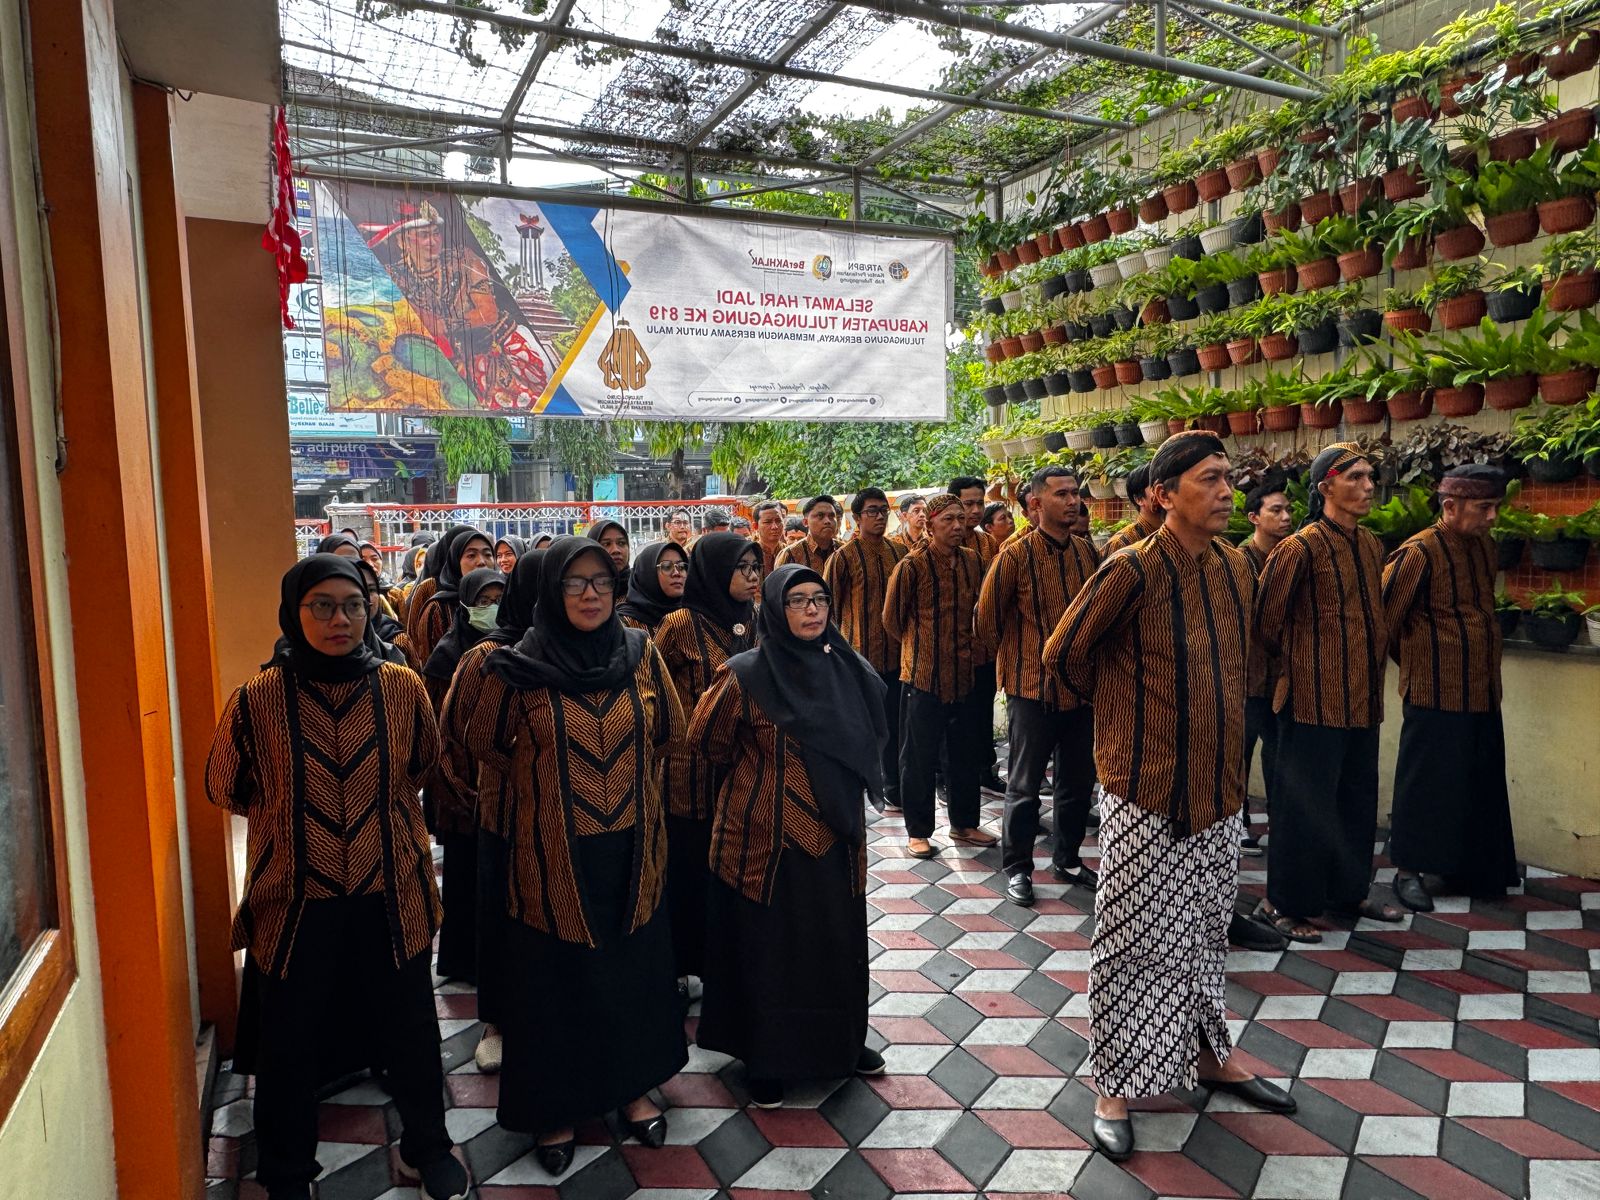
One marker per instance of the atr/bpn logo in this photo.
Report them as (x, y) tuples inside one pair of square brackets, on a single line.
[(623, 363), (822, 266)]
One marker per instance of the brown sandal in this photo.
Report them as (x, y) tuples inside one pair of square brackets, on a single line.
[(974, 837), (1288, 926)]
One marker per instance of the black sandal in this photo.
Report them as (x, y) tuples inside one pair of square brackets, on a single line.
[(1287, 925), (1374, 911)]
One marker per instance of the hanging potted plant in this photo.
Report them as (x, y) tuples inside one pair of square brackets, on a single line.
[(1508, 195), (1554, 617), (1184, 359), (1403, 392), (1280, 202), (1152, 415), (1247, 224), (1155, 343), (1420, 158), (1356, 245), (1174, 173), (1273, 263), (1407, 235), (1153, 208), (1437, 370), (1403, 311), (1359, 322), (1312, 320), (1559, 543), (1455, 295), (1235, 147), (1315, 266), (1242, 408), (1512, 528), (1546, 444), (1571, 54), (1568, 377), (1212, 338), (1505, 365), (1260, 321), (1280, 397), (1513, 295), (1570, 279)]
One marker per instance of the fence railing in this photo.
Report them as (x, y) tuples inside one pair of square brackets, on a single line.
[(308, 531)]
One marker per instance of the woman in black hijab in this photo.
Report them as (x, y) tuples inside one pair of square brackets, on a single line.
[(382, 628), (491, 796), (613, 539), (541, 541), (659, 577), (797, 725), (417, 599), (573, 715), (338, 926), (716, 622), (506, 552), (466, 551)]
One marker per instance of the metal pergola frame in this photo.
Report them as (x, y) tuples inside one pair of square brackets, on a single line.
[(506, 136)]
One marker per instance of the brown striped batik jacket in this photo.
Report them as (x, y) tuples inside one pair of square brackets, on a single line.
[(1156, 642), (769, 559), (929, 608), (904, 538), (858, 578), (578, 766), (1141, 528), (1260, 672), (765, 805), (327, 775), (806, 553), (1438, 603), (693, 647), (473, 781), (987, 550), (417, 600), (1032, 581), (1319, 612)]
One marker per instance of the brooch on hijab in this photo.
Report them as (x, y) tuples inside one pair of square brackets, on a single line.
[(738, 629), (827, 649)]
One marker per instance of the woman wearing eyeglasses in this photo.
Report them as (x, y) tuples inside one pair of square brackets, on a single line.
[(660, 574), (323, 752), (797, 725), (717, 621), (572, 717)]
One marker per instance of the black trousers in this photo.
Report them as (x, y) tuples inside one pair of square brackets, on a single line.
[(1037, 731), (983, 693), (891, 747), (1260, 725), (342, 970), (924, 721), (1324, 818)]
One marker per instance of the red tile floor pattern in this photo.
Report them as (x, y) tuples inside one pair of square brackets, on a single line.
[(1454, 1056)]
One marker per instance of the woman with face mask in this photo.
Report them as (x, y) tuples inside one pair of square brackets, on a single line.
[(656, 587), (797, 727), (337, 925), (717, 621), (573, 716), (428, 581), (468, 550)]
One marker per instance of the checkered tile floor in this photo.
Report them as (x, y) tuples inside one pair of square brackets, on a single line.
[(1457, 1055)]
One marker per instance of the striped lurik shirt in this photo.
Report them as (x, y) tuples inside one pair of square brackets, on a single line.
[(1438, 602), (1141, 528), (1156, 642), (1032, 581), (987, 549), (858, 577), (1319, 612), (1260, 672), (929, 609), (806, 553)]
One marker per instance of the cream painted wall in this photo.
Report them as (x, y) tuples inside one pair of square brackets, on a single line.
[(220, 148), (56, 1140)]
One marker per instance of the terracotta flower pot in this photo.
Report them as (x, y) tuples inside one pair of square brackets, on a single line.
[(1461, 242), (1458, 402), (1275, 347), (1153, 208), (1055, 335), (1286, 218), (994, 352), (1105, 375), (1321, 416), (1267, 159), (1212, 185), (1410, 406), (1128, 371), (1008, 260), (1246, 172), (1412, 255), (1358, 192), (1213, 357), (1281, 419), (1047, 244), (1360, 264), (1513, 228), (1460, 312), (1570, 130), (1181, 197), (1273, 282), (1579, 55), (1449, 104), (1096, 229), (1011, 347), (1363, 412), (1242, 352), (1506, 394), (1566, 293), (1155, 312), (1513, 146), (990, 268), (1521, 63), (1566, 215), (1032, 340), (1070, 236), (1243, 424), (1121, 219), (1408, 320), (1027, 253), (1567, 387), (1176, 425), (1313, 137), (1411, 108), (1404, 183), (1217, 424), (1318, 205), (1320, 273)]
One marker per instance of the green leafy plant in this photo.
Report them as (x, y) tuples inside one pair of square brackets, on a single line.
[(1556, 601), (1404, 514), (1450, 280)]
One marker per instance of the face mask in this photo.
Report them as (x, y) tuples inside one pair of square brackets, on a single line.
[(484, 616)]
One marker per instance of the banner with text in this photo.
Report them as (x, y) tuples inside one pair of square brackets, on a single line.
[(438, 303)]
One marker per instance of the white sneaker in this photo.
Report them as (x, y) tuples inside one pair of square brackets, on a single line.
[(491, 1048)]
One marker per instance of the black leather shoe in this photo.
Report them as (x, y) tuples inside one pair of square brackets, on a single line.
[(651, 1132), (1409, 891), (1115, 1138), (869, 1062), (1081, 876), (1255, 1090), (764, 1093), (992, 783), (555, 1159), (1248, 934), (1019, 889)]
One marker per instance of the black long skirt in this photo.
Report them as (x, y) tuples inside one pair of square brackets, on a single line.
[(688, 877), (1324, 794), (458, 932), (493, 872), (786, 983), (1452, 814), (588, 1030)]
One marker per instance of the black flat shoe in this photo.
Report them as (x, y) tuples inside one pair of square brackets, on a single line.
[(1115, 1138), (1255, 1090), (651, 1132), (1079, 876), (869, 1062), (1249, 934), (1019, 890), (1409, 891), (556, 1158)]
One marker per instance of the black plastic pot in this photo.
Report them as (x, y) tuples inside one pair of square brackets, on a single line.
[(1079, 281), (1016, 393), (1081, 380), (1359, 327), (1561, 554), (1212, 299), (1319, 339), (1551, 632), (1508, 618), (1058, 384), (1244, 291), (1188, 247), (1077, 331), (1105, 436), (1123, 316), (994, 397), (993, 307), (1248, 230), (1156, 369), (1182, 308), (1034, 387), (1055, 441), (1556, 469), (1184, 361), (1128, 434), (1508, 552), (1053, 286), (1102, 324), (1511, 304)]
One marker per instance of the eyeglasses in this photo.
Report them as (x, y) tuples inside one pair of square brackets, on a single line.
[(749, 570), (323, 610), (819, 602), (673, 568), (875, 510), (576, 585)]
